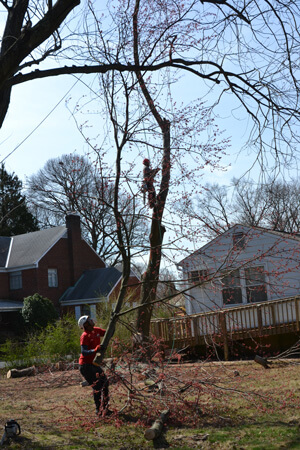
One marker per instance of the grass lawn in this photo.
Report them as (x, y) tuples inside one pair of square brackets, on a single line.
[(237, 405)]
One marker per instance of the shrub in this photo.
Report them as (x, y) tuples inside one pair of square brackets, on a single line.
[(61, 339), (38, 311), (53, 343)]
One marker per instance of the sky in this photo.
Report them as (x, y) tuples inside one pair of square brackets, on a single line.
[(39, 126)]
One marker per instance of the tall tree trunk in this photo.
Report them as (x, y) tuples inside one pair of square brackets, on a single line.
[(151, 276)]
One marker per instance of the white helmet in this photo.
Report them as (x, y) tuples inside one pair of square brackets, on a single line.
[(82, 321)]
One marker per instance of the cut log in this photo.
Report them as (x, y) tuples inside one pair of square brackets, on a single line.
[(15, 373), (262, 361), (155, 431)]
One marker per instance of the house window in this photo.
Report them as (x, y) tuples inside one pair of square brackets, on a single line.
[(196, 276), (15, 280), (85, 310), (88, 310), (52, 278), (231, 291), (239, 240), (256, 288)]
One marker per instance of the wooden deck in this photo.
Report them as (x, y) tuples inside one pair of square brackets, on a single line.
[(236, 323)]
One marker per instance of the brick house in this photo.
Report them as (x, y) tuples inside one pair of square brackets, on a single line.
[(47, 262)]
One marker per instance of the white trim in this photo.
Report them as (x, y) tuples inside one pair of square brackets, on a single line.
[(10, 309), (93, 312), (9, 251), (77, 312), (52, 277), (83, 301), (16, 268)]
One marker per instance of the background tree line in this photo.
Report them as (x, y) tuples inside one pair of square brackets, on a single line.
[(274, 205)]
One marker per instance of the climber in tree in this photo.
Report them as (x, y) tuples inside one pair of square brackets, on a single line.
[(148, 186)]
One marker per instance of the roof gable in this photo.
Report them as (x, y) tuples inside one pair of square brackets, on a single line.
[(237, 228), (28, 249)]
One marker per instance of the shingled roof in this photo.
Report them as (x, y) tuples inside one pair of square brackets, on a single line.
[(27, 249), (94, 284)]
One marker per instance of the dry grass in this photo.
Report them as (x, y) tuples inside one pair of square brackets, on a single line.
[(212, 405)]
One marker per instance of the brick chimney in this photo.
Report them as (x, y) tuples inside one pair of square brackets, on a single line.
[(74, 243)]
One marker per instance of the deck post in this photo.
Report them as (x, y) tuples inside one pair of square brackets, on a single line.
[(222, 324), (259, 320), (297, 313)]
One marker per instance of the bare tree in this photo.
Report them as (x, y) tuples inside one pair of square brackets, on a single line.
[(273, 205), (211, 209), (74, 183)]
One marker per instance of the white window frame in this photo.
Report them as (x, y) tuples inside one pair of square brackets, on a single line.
[(197, 276), (245, 283), (232, 281), (256, 282), (52, 278)]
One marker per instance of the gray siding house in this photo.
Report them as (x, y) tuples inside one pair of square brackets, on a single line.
[(243, 265)]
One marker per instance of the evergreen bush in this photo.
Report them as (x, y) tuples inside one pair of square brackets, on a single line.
[(38, 311)]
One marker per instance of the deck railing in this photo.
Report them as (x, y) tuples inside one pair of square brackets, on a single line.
[(235, 323)]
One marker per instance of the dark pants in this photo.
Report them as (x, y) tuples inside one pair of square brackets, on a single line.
[(97, 379), (151, 194)]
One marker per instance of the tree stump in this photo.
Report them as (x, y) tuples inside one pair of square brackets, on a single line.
[(15, 373), (155, 431)]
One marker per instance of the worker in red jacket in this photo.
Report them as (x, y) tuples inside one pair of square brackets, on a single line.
[(148, 180), (94, 375)]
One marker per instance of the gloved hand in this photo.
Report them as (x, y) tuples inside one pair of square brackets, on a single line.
[(98, 348)]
